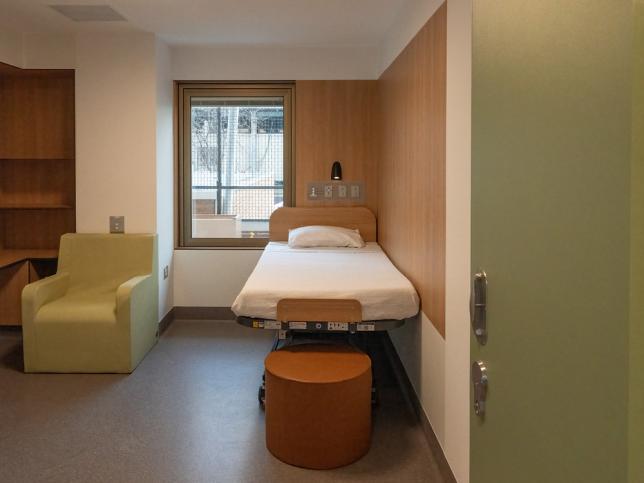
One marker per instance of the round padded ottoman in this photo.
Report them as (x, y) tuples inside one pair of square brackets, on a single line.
[(318, 405)]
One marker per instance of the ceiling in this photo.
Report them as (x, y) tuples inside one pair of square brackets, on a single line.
[(221, 22)]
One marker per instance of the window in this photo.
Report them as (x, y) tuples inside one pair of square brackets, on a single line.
[(235, 156)]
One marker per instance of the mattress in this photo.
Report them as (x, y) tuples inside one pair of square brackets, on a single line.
[(364, 274)]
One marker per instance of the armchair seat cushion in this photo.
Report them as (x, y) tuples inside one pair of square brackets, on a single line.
[(96, 305)]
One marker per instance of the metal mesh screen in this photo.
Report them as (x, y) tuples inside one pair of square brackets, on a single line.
[(237, 165)]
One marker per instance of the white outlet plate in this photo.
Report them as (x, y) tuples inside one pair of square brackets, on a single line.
[(342, 191), (328, 191), (355, 191)]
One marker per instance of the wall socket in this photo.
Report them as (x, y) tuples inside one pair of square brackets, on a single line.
[(165, 272), (117, 224)]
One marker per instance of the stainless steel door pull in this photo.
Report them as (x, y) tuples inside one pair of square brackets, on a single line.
[(478, 306), (479, 380)]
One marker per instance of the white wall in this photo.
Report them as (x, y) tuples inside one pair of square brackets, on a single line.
[(211, 278), (11, 48), (437, 367), (115, 131), (49, 51), (274, 63), (165, 185), (458, 222)]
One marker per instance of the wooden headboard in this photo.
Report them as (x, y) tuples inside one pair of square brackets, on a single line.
[(284, 219)]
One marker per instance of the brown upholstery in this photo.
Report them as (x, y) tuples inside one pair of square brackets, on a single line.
[(318, 405)]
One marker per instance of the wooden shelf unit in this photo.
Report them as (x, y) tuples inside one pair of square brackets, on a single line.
[(37, 177), (41, 206)]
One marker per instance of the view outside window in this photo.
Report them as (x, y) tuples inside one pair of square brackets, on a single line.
[(237, 165)]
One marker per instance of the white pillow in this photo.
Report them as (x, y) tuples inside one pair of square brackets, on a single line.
[(324, 236)]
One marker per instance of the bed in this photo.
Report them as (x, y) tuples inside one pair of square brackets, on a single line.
[(325, 289)]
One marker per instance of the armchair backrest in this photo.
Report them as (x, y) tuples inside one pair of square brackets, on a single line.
[(106, 259)]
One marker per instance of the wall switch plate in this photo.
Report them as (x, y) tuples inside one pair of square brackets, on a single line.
[(165, 272), (352, 192), (117, 224), (315, 191)]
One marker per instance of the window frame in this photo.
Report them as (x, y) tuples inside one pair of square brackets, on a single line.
[(185, 92)]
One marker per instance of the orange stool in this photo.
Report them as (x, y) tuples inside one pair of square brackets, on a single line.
[(318, 405)]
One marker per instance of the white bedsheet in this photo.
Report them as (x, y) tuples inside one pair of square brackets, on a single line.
[(364, 274)]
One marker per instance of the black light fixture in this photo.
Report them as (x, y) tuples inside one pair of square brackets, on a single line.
[(336, 171)]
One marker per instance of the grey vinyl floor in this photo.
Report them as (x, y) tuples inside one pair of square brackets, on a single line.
[(188, 413)]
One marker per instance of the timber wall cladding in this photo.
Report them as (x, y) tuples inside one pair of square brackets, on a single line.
[(411, 170), (336, 120)]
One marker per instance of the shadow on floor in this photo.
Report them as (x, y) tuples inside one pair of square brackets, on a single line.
[(11, 357)]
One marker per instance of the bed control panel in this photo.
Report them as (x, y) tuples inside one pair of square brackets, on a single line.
[(350, 327), (335, 191)]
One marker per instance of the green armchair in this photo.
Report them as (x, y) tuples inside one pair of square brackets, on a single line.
[(99, 312)]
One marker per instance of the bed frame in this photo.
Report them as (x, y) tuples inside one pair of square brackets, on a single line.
[(320, 315), (302, 316)]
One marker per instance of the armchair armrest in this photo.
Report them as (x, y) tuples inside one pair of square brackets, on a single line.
[(39, 293), (34, 296), (136, 313), (130, 290)]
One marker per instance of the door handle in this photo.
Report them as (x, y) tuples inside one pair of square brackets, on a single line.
[(478, 306), (479, 380)]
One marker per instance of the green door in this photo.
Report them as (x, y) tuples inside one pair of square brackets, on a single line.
[(551, 134)]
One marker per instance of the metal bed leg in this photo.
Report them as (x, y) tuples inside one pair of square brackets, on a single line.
[(261, 394)]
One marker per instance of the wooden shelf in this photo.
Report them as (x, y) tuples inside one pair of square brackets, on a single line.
[(34, 206), (45, 159), (37, 116), (37, 178), (9, 257)]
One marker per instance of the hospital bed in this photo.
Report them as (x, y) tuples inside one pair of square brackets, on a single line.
[(332, 290)]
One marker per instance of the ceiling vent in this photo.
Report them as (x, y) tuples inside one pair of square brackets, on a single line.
[(89, 13)]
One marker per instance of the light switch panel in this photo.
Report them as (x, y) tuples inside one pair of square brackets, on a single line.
[(117, 224), (315, 191), (336, 192)]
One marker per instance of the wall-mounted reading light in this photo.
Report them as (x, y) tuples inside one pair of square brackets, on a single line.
[(336, 171)]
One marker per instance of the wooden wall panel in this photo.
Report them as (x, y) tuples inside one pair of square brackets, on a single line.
[(37, 228), (37, 115), (336, 120), (36, 182), (411, 172), (12, 280)]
